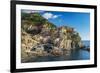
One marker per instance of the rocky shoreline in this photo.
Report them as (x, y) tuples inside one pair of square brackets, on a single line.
[(42, 38), (40, 45)]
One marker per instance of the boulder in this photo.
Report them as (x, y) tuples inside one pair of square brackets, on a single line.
[(48, 47), (57, 52)]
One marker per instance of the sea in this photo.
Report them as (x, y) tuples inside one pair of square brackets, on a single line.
[(79, 54)]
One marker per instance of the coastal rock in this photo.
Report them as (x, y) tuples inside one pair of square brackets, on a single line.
[(56, 52), (39, 37), (66, 44)]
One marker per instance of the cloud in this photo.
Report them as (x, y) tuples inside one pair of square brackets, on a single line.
[(56, 16), (49, 15)]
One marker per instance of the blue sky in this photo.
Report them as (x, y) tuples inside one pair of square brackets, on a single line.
[(79, 21)]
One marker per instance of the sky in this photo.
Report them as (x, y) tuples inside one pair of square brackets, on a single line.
[(79, 21)]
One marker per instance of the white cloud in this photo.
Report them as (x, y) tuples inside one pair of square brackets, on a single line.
[(56, 16), (49, 15)]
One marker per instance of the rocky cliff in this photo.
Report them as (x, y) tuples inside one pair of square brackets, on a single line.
[(39, 37)]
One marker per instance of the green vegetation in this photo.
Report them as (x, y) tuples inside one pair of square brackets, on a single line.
[(35, 19)]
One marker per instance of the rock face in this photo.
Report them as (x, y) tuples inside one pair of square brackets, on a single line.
[(39, 37)]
